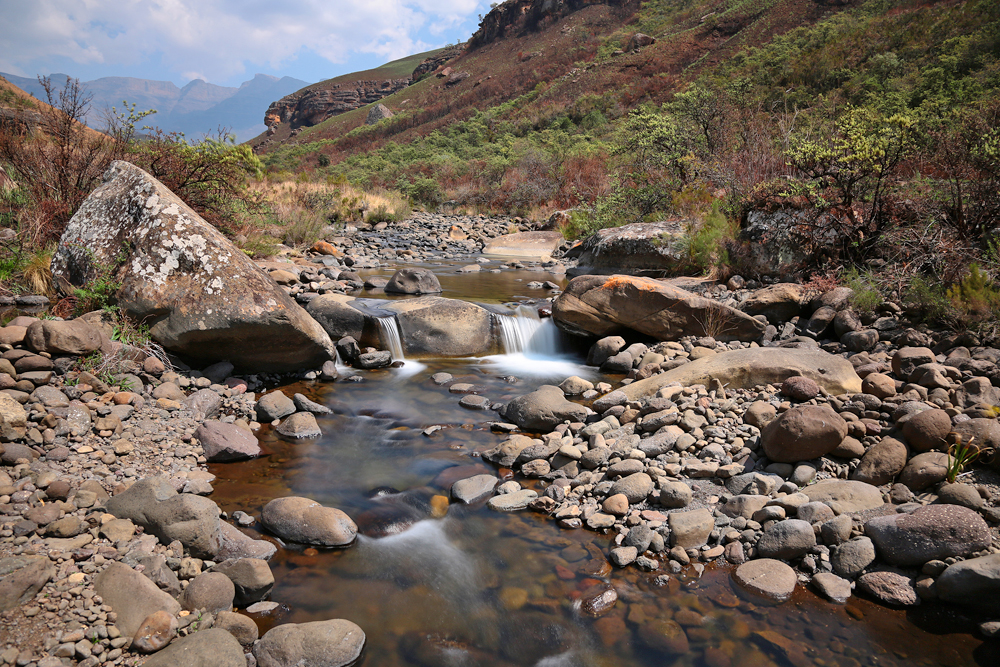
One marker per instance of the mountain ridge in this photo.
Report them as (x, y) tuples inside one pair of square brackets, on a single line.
[(198, 108)]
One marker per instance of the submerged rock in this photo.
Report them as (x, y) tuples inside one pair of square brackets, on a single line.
[(333, 643)]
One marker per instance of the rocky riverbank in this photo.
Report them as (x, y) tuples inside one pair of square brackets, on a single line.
[(771, 430)]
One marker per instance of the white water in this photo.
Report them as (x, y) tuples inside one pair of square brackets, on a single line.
[(391, 339), (532, 347), (525, 332), (426, 553)]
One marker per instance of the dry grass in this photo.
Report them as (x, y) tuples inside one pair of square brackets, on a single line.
[(298, 211)]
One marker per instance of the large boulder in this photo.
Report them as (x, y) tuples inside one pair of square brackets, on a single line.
[(213, 647), (337, 316), (414, 281), (378, 113), (974, 582), (75, 337), (928, 533), (333, 643), (778, 303), (305, 521), (647, 249), (608, 305), (226, 442), (439, 327), (524, 244), (750, 367), (132, 596), (153, 504), (21, 577), (202, 296), (543, 409), (803, 433)]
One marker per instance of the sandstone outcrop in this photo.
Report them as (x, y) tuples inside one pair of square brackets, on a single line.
[(608, 305), (314, 104)]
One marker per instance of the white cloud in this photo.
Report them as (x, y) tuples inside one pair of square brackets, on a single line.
[(221, 37)]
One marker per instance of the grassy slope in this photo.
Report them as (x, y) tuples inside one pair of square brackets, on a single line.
[(587, 38), (794, 54)]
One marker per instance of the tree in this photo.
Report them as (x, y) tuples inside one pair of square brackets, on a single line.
[(656, 163), (853, 160)]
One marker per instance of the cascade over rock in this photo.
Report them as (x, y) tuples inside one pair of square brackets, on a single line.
[(608, 305), (428, 326), (200, 295)]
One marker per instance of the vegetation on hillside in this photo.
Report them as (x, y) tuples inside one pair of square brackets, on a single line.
[(885, 113), (57, 163)]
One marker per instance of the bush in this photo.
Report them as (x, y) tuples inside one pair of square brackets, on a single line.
[(704, 244), (866, 297), (426, 191), (303, 228), (976, 297), (379, 214)]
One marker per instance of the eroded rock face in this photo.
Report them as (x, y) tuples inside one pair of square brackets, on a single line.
[(607, 305), (202, 297), (314, 104)]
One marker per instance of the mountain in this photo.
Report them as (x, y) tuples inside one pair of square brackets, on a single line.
[(197, 109), (315, 103)]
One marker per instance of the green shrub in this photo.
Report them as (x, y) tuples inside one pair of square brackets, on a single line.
[(929, 299), (976, 297), (426, 191), (704, 244), (866, 297), (379, 214)]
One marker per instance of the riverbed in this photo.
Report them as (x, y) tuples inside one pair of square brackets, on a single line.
[(436, 584)]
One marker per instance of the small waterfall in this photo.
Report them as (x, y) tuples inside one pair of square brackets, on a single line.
[(524, 332), (389, 332)]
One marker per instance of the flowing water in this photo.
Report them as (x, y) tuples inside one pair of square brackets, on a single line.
[(474, 587)]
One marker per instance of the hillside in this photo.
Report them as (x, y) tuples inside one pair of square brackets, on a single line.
[(530, 113), (197, 109)]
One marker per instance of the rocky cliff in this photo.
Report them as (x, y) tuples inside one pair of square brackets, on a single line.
[(311, 106), (517, 17)]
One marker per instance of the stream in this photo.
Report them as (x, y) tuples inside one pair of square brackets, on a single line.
[(459, 585)]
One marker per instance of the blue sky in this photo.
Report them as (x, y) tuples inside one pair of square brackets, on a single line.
[(224, 42)]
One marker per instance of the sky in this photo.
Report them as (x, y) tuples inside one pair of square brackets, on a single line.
[(224, 42)]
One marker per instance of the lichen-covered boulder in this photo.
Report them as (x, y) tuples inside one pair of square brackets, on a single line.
[(201, 296), (607, 305)]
